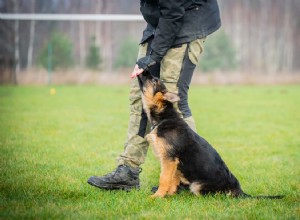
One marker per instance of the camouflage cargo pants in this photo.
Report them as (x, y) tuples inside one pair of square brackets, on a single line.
[(176, 70)]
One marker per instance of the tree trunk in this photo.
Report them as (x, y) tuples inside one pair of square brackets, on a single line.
[(98, 9), (16, 45), (81, 43), (107, 36), (31, 37)]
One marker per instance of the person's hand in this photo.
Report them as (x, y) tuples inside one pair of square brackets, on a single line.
[(142, 64), (136, 71)]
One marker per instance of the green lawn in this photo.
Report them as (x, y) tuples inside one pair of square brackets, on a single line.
[(51, 144)]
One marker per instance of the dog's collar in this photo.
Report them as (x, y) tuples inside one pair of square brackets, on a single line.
[(155, 125)]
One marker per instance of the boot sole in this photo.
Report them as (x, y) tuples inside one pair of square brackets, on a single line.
[(114, 187)]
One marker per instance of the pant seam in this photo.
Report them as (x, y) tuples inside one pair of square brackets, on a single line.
[(184, 115)]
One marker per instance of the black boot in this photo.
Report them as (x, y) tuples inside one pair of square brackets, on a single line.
[(124, 177)]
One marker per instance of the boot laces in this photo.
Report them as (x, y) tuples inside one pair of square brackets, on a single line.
[(120, 168)]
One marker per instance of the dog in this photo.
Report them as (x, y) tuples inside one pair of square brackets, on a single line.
[(185, 157)]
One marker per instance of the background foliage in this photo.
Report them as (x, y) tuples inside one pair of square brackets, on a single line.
[(219, 53), (59, 49), (126, 56), (93, 59), (263, 33)]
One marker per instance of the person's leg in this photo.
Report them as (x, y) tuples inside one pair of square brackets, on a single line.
[(136, 146), (126, 176), (176, 71)]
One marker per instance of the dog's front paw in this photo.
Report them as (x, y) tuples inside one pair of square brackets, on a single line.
[(172, 190), (158, 195)]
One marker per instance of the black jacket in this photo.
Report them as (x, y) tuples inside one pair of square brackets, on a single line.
[(174, 22)]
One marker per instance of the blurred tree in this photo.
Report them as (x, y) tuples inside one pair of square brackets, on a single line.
[(127, 53), (265, 33), (93, 59), (219, 53), (31, 37), (16, 43), (61, 52)]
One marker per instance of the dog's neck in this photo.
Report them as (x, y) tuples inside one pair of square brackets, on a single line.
[(168, 112)]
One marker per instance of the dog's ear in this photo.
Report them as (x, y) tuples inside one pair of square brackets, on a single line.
[(171, 97)]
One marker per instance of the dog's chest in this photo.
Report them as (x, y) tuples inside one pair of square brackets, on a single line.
[(159, 144)]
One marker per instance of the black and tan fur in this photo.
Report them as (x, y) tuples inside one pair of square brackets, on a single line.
[(185, 157)]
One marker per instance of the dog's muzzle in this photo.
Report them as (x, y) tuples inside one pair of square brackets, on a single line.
[(143, 77)]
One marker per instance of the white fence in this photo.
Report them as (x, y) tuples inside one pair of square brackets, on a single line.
[(72, 17)]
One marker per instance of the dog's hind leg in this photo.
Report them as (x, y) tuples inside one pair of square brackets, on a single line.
[(166, 180), (195, 188)]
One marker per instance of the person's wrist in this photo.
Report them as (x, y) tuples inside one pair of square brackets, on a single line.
[(145, 62), (155, 56)]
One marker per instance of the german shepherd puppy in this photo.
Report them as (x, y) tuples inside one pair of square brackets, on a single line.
[(185, 157)]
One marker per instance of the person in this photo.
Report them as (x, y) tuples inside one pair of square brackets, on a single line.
[(170, 48)]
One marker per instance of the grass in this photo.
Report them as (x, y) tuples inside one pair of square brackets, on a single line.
[(51, 144)]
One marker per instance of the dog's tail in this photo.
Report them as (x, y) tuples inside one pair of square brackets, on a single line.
[(242, 194)]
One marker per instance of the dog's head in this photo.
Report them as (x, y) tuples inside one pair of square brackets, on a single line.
[(154, 93)]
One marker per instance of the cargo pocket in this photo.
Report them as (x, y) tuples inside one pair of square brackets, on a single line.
[(195, 49), (171, 64), (135, 99)]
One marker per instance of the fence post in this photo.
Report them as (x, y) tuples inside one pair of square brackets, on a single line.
[(49, 62)]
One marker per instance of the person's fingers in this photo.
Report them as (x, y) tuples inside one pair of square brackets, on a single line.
[(136, 71), (133, 74), (136, 68), (140, 71)]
